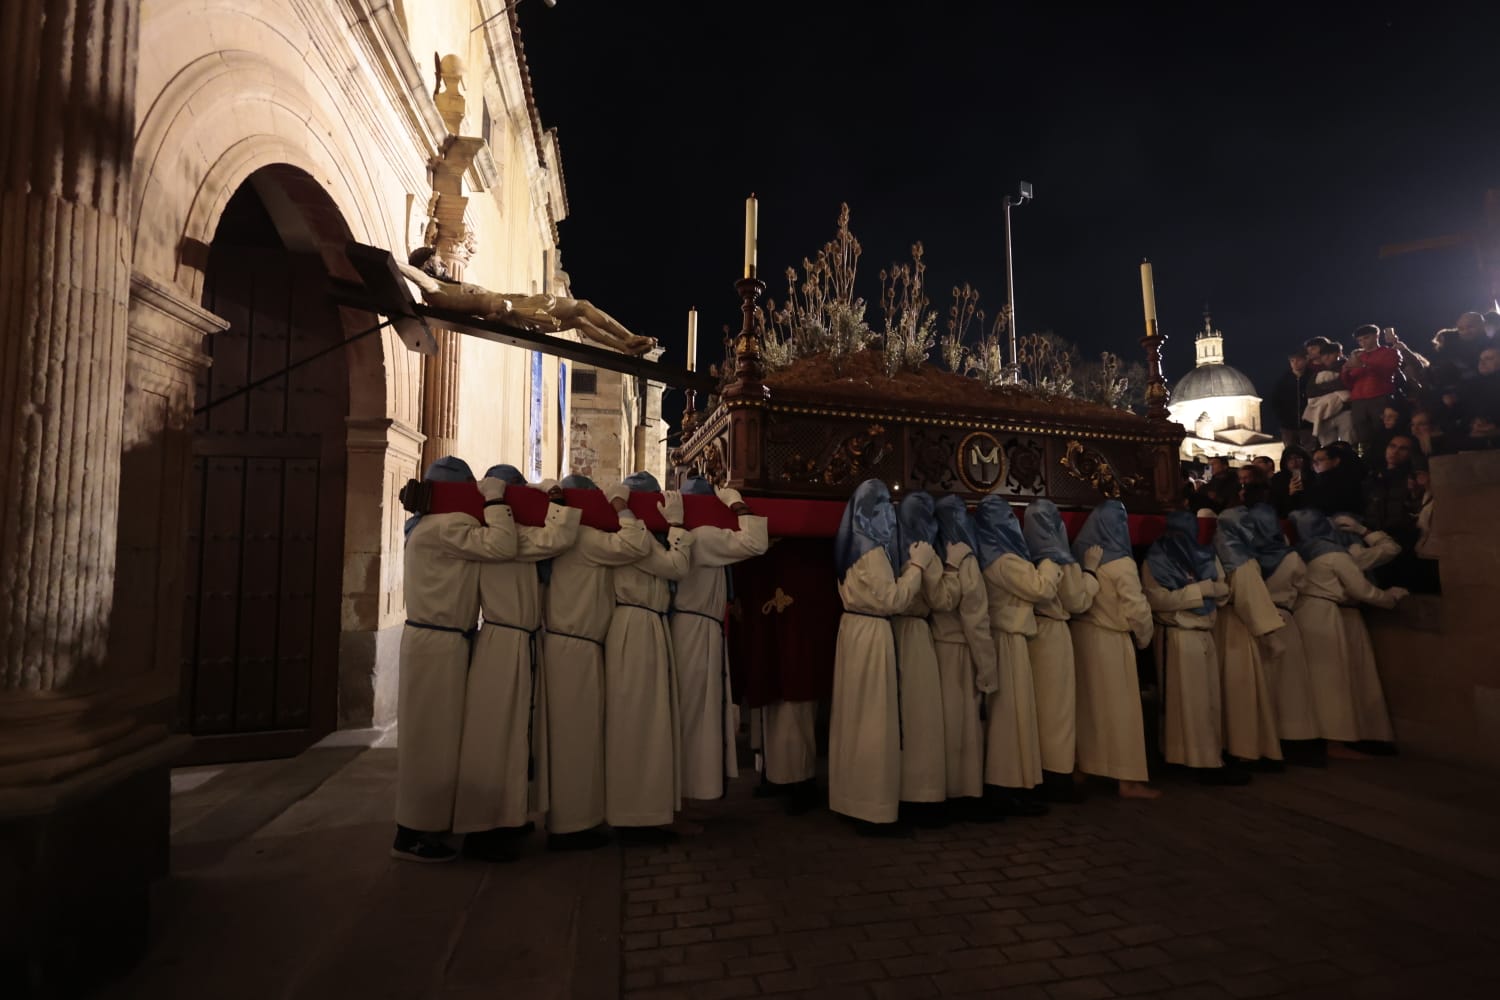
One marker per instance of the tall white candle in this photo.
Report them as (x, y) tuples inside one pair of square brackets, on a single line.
[(1148, 296), (692, 348), (752, 222)]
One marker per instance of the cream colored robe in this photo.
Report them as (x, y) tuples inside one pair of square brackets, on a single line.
[(864, 738), (1052, 674), (1187, 670), (1346, 686), (966, 665), (709, 717), (1250, 730), (642, 738), (1111, 734), (443, 555), (580, 605), (785, 733), (504, 704), (1013, 750), (924, 760), (1289, 674)]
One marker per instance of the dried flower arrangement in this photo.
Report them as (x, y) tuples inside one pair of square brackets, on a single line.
[(821, 315)]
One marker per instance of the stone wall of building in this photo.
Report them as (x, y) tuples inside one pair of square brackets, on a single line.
[(1439, 657)]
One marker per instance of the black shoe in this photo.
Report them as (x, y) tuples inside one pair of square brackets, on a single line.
[(515, 831), (1375, 748), (494, 846), (801, 798), (770, 790), (867, 829), (645, 835), (926, 815), (1223, 776), (1014, 801), (581, 840), (975, 810), (1305, 753), (1059, 787), (1265, 765), (421, 847)]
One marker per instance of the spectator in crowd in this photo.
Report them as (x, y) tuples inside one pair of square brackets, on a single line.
[(1370, 375), (1327, 397), (1289, 399), (1289, 487), (1456, 351), (1266, 465), (1483, 391), (1389, 505), (1424, 565), (1428, 437), (1253, 482), (1392, 422), (1337, 486)]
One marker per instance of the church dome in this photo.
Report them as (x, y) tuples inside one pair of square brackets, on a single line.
[(1210, 380)]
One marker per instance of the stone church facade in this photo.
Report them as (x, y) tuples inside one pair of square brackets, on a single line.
[(202, 559)]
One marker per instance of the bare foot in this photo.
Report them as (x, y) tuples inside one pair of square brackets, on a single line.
[(1342, 751), (1138, 790)]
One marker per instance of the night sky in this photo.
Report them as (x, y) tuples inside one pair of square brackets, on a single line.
[(1259, 156)]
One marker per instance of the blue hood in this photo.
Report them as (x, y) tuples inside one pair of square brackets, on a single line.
[(1176, 559), (1316, 535), (869, 522), (1046, 535), (916, 523), (955, 527), (1108, 527), (998, 531), (1234, 542)]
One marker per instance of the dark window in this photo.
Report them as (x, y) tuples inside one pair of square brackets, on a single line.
[(484, 120), (585, 383)]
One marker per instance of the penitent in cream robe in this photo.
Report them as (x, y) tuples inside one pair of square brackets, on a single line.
[(1250, 730), (1111, 734), (580, 605), (1347, 694), (642, 739), (1289, 674), (966, 664), (709, 718), (443, 556), (1051, 652), (503, 742), (864, 738), (1013, 751), (1187, 670)]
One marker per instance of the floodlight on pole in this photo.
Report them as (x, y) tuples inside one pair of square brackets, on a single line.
[(503, 9), (1022, 198)]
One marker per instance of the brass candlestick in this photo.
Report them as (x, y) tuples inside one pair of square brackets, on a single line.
[(1157, 394), (749, 365)]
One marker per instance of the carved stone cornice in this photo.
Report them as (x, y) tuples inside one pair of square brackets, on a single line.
[(167, 326)]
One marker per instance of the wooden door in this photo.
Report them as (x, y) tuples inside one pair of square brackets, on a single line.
[(265, 504)]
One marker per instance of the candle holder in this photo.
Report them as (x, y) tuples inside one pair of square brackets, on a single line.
[(749, 382), (1157, 394), (689, 412)]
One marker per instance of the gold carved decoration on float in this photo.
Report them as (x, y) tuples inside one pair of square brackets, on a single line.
[(1093, 468)]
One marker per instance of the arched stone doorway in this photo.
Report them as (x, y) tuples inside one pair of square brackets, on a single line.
[(266, 495)]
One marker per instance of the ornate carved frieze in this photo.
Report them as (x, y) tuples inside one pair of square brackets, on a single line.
[(1090, 466)]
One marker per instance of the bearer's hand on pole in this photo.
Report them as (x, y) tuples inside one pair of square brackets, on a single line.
[(671, 508), (492, 489)]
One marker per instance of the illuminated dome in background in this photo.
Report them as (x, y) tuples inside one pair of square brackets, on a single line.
[(1219, 406)]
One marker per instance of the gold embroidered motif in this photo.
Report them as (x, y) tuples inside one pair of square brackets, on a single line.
[(780, 601)]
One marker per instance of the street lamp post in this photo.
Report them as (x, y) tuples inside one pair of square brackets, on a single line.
[(1010, 281)]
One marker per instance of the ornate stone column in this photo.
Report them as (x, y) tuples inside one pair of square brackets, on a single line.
[(67, 111), (84, 750), (455, 243)]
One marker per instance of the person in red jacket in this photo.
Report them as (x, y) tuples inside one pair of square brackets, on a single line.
[(1370, 375)]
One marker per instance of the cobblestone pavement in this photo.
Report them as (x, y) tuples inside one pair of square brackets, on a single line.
[(1370, 879), (1338, 883)]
